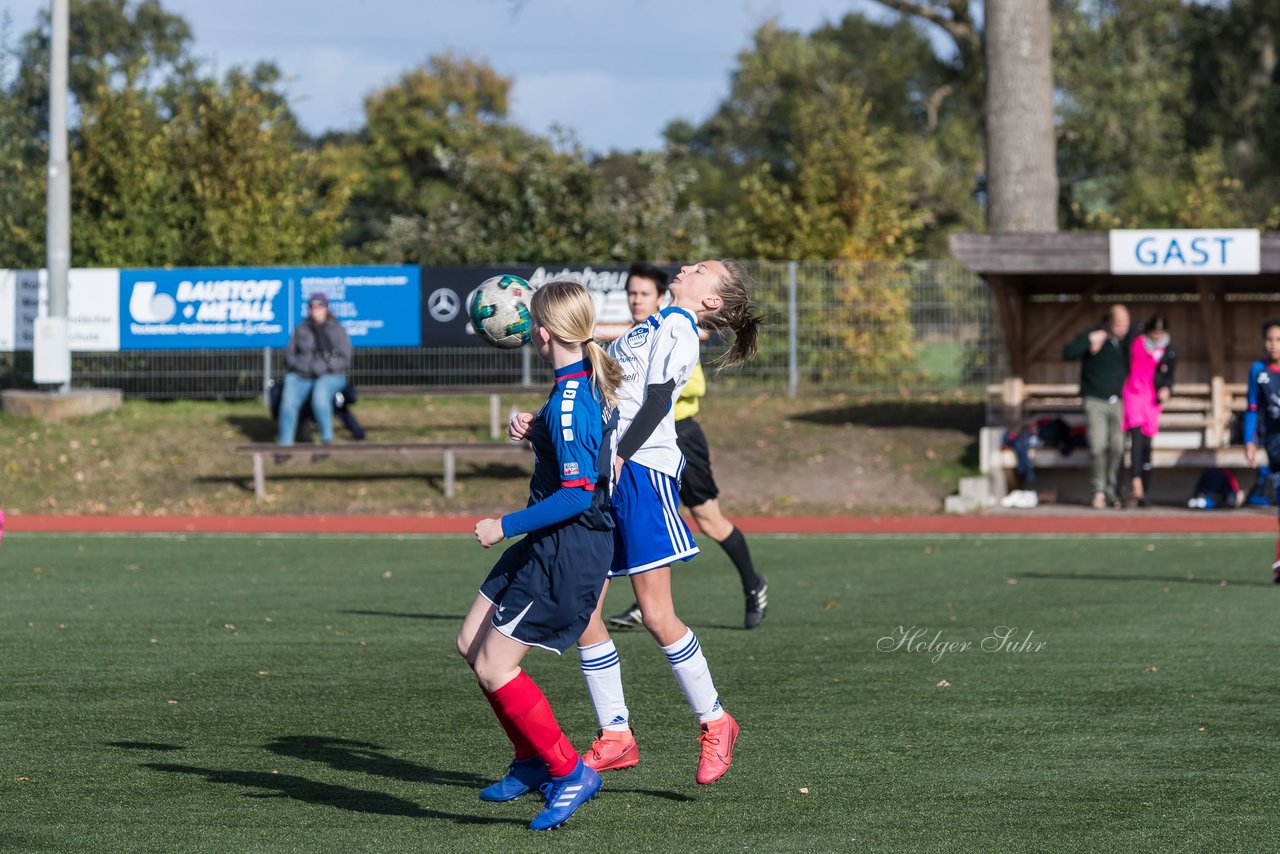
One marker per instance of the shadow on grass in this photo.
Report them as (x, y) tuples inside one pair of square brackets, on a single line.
[(653, 793), (143, 745), (453, 617), (322, 794), (1165, 579), (967, 416), (345, 754), (255, 428)]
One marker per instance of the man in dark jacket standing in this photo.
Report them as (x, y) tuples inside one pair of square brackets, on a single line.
[(317, 359), (1104, 357)]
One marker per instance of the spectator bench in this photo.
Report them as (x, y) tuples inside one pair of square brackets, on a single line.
[(262, 452), (497, 419), (993, 457), (1193, 430)]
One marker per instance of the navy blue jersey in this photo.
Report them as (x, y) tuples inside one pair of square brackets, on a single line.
[(573, 438), (1262, 418)]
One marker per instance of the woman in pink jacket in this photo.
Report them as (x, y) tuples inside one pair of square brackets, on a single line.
[(1151, 363)]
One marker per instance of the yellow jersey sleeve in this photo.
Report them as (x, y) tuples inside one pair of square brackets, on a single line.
[(687, 404)]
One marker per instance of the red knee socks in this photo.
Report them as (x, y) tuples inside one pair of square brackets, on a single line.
[(524, 750), (527, 717)]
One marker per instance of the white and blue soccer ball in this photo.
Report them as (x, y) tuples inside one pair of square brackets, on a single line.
[(499, 311)]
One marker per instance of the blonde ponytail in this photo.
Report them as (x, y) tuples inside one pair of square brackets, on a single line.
[(606, 374), (565, 309)]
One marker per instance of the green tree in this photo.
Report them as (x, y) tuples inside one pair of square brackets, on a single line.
[(414, 134), (445, 177), (22, 186), (112, 45), (845, 197), (903, 87), (168, 166), (214, 177), (1124, 78)]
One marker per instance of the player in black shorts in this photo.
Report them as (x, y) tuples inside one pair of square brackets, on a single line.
[(646, 286)]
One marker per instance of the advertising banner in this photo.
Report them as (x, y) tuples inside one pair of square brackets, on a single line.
[(378, 306), (249, 307), (445, 291), (93, 312)]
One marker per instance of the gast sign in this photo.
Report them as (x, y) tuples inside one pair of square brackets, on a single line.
[(1186, 252)]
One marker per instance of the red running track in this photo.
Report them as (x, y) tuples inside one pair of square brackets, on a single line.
[(1084, 523)]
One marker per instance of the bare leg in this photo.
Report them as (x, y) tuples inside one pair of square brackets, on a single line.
[(596, 632), (653, 592), (498, 660), (475, 626), (711, 521)]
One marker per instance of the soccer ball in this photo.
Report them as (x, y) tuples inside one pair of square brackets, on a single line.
[(499, 312)]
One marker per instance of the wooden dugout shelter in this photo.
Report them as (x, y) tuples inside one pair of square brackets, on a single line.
[(1047, 288)]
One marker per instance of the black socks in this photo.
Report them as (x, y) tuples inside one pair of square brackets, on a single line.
[(735, 546)]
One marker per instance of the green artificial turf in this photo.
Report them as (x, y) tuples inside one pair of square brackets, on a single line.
[(303, 694)]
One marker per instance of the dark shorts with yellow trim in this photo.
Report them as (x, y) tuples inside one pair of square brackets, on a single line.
[(546, 585), (697, 484)]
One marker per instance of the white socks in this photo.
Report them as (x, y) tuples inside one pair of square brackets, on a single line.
[(694, 678), (602, 672)]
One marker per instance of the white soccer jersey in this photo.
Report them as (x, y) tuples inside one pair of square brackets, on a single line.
[(664, 347)]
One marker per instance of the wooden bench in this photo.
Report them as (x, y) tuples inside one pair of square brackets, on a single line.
[(993, 456), (449, 451), (497, 420), (1194, 416), (1194, 427)]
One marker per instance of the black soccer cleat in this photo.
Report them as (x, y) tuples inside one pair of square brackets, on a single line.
[(1275, 572), (757, 604), (628, 619)]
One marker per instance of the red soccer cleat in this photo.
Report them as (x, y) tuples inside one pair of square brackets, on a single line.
[(612, 751), (718, 738)]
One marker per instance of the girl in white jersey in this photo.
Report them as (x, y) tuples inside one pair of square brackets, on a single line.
[(657, 358)]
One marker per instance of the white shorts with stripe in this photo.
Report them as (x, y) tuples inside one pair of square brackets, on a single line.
[(650, 533)]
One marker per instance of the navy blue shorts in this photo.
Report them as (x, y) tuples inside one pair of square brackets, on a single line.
[(650, 533), (546, 585), (1272, 444)]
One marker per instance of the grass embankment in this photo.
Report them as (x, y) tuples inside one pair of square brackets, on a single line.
[(772, 455)]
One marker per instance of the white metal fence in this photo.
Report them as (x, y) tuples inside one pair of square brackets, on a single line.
[(923, 327)]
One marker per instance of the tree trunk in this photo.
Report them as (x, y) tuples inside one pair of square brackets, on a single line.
[(1022, 180)]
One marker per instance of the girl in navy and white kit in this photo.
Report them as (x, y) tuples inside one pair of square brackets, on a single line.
[(544, 589), (1262, 418)]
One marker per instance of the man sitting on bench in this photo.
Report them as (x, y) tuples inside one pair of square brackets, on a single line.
[(317, 359)]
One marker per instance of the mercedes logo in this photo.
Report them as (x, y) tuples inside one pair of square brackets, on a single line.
[(443, 305)]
